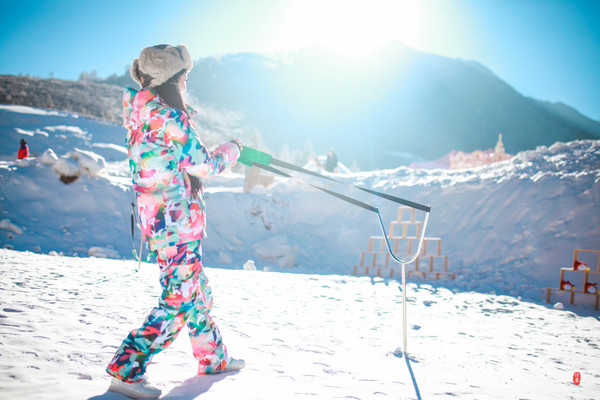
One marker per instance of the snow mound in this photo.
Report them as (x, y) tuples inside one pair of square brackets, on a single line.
[(103, 252), (249, 266), (67, 169), (49, 157), (91, 164), (75, 163)]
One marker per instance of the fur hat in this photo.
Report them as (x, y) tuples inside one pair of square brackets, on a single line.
[(159, 63)]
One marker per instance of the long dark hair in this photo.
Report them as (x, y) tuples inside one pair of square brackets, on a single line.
[(170, 93)]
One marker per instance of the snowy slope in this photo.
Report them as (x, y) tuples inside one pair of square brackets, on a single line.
[(43, 129), (506, 228)]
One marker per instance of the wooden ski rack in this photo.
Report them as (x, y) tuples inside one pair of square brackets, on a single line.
[(403, 238), (591, 278)]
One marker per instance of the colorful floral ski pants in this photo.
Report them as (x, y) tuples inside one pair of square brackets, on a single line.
[(186, 299)]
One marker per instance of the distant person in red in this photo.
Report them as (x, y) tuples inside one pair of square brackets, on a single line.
[(23, 150)]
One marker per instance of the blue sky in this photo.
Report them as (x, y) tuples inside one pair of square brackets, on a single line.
[(546, 49)]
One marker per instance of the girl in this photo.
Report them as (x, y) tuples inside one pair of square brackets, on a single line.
[(167, 160)]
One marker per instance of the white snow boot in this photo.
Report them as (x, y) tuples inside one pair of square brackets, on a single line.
[(135, 390), (235, 365)]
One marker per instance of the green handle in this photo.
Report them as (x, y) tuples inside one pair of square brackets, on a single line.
[(250, 155)]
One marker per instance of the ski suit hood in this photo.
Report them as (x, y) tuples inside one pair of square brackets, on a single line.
[(164, 151)]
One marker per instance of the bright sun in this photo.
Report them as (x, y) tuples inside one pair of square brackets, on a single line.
[(351, 28)]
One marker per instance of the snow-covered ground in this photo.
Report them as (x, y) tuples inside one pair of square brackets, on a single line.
[(306, 327), (304, 336)]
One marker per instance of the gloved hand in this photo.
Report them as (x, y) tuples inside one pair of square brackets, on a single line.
[(239, 144), (250, 155)]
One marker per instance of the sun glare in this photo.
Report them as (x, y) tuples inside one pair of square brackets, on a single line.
[(354, 29)]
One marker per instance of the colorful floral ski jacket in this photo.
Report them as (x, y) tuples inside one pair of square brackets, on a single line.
[(164, 151)]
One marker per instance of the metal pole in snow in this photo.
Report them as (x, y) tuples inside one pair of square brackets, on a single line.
[(403, 263), (404, 306), (252, 157)]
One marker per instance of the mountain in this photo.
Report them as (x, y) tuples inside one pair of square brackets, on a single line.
[(394, 108), (398, 106)]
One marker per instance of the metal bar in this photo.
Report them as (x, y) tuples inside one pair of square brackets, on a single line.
[(414, 205), (395, 199), (404, 330), (419, 246)]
